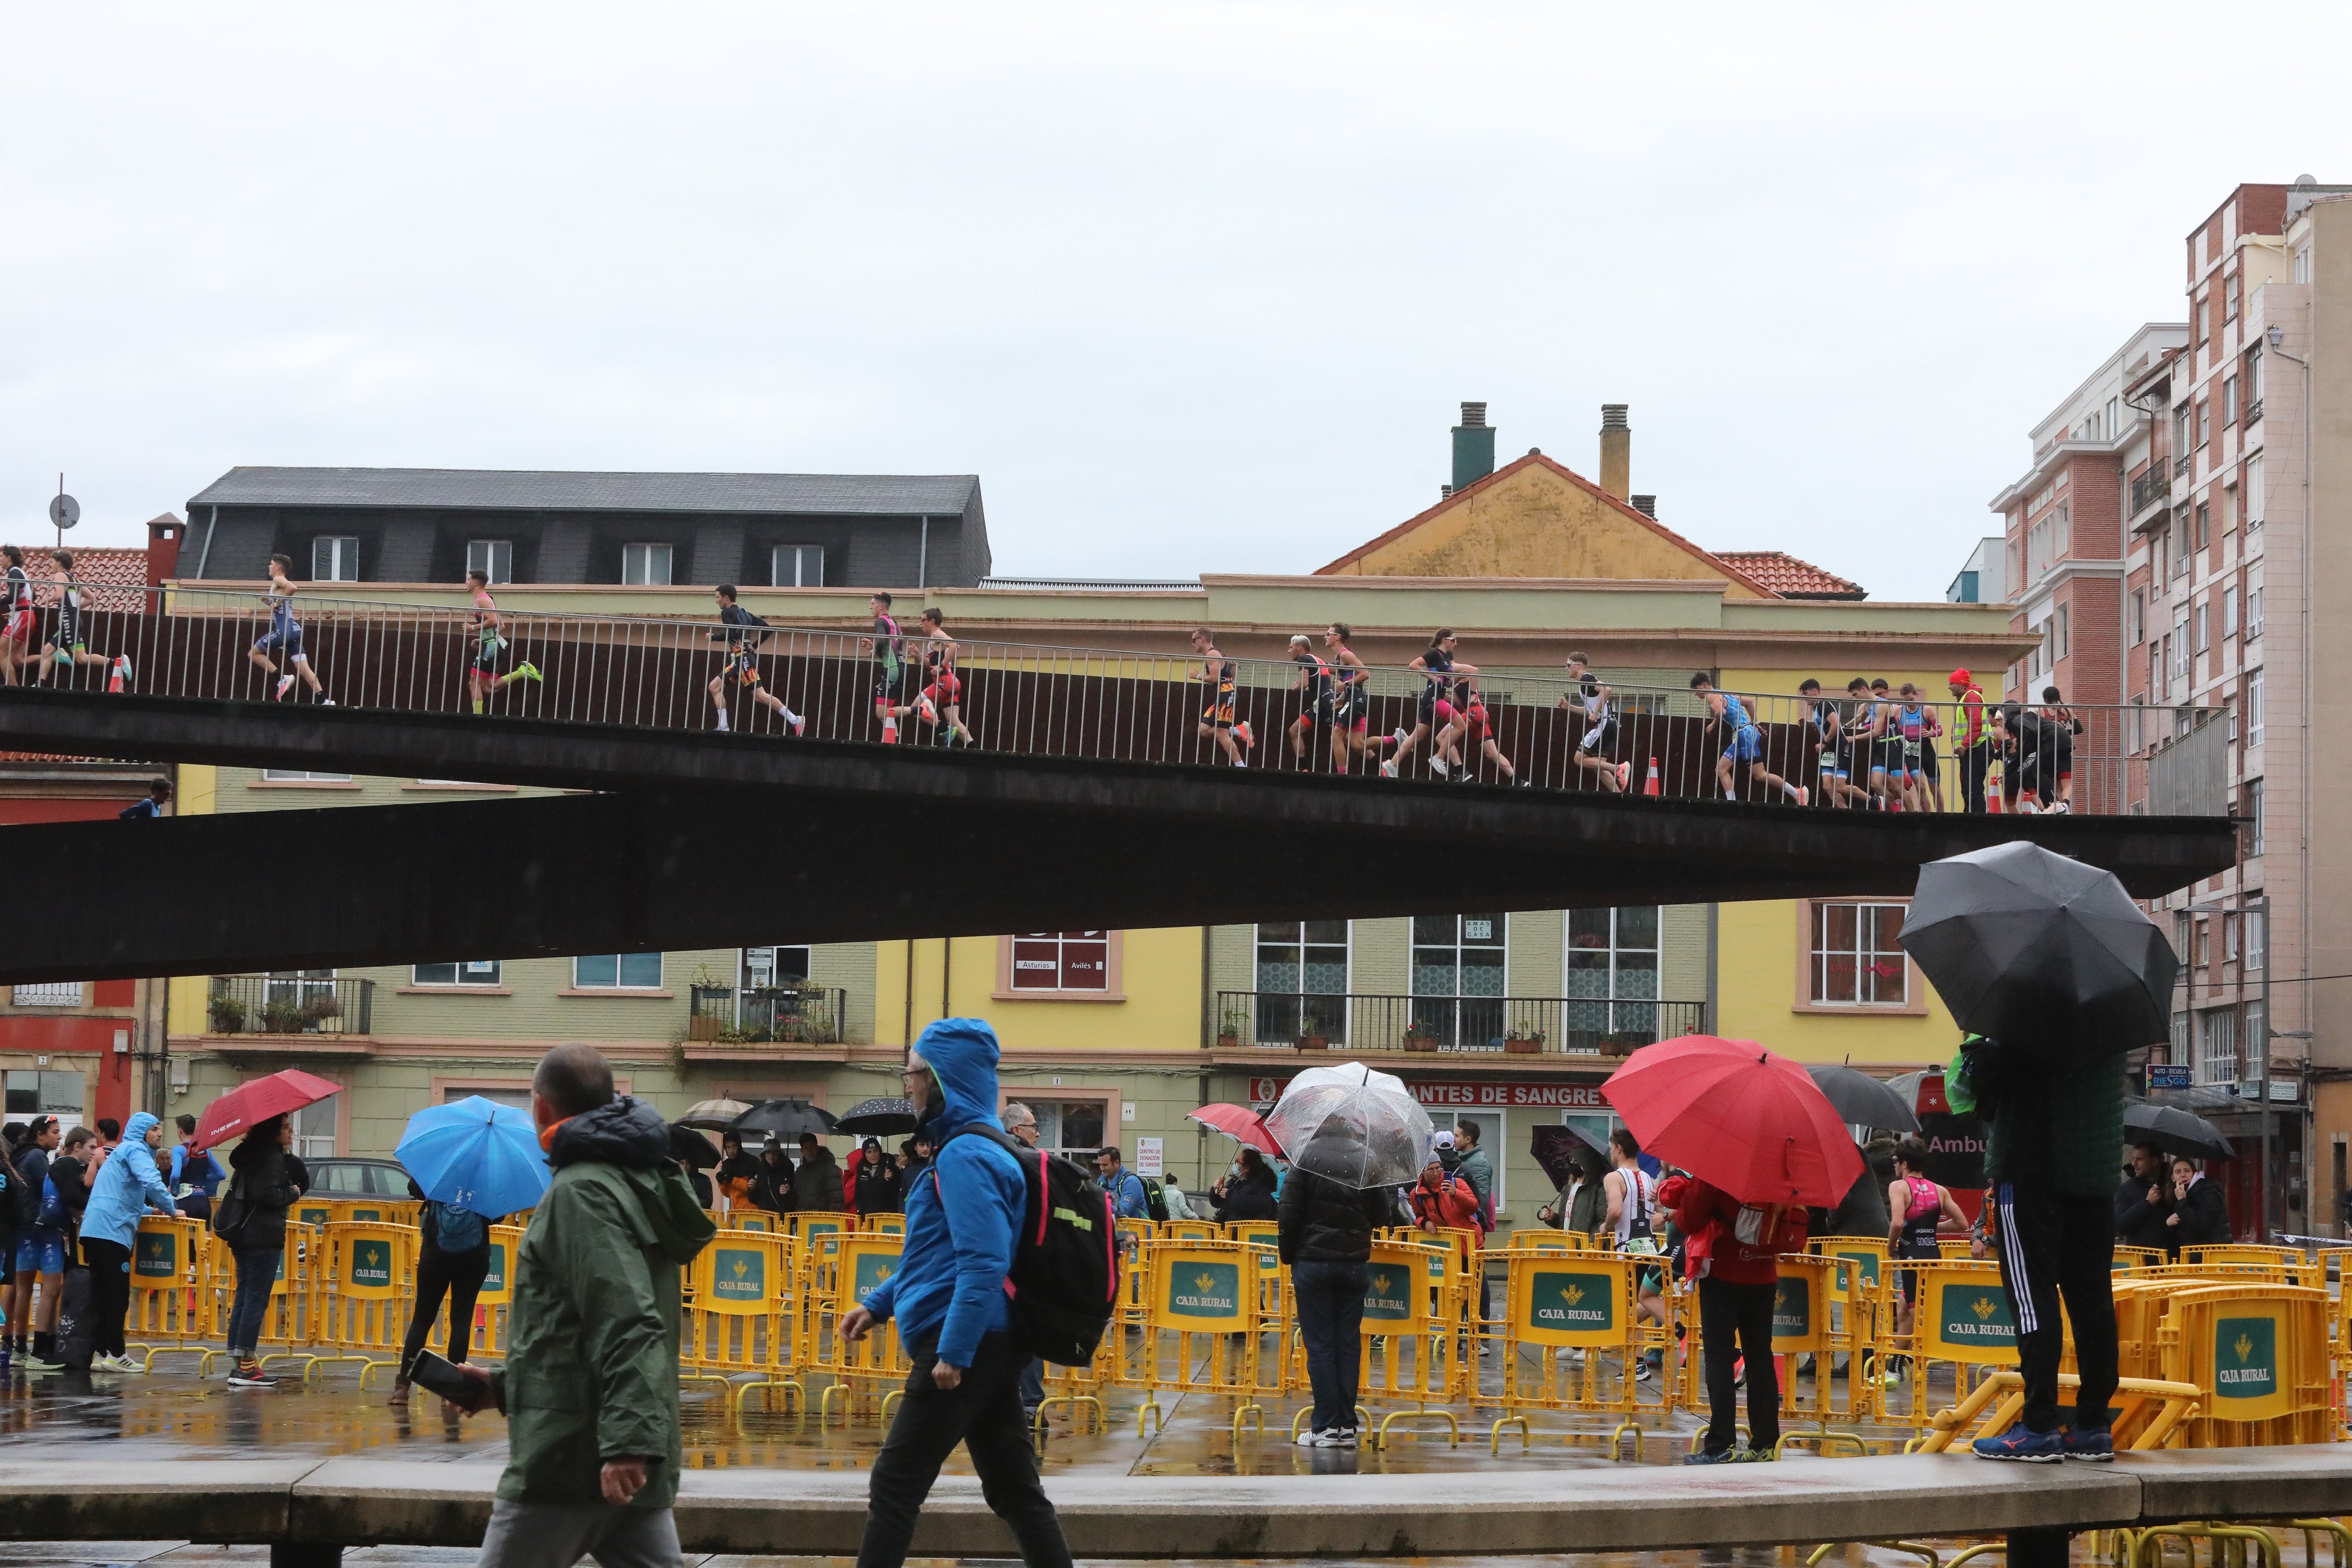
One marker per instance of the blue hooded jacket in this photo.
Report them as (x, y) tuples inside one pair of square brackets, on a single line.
[(127, 1183), (963, 1212)]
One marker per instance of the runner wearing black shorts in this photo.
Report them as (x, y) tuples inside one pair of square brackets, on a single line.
[(2059, 729), (888, 646)]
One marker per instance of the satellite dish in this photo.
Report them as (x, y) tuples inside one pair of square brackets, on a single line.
[(64, 510)]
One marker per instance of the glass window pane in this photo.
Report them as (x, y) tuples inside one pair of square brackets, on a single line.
[(1325, 972), (591, 969), (642, 970), (1637, 926), (1279, 931), (1588, 928), (1436, 930), (1432, 972), (1327, 931)]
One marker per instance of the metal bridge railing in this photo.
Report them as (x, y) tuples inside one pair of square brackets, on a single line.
[(1310, 713)]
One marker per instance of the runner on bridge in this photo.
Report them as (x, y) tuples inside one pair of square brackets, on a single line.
[(16, 638), (1598, 704), (67, 647), (741, 666), (888, 646), (1319, 687), (482, 676), (942, 699), (1744, 743), (1217, 721), (285, 636), (1436, 668), (1351, 704), (1836, 762), (1474, 729)]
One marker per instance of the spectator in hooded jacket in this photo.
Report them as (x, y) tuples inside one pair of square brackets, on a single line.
[(1735, 1292), (878, 1190), (1249, 1193), (124, 1183), (2201, 1214), (1441, 1201), (771, 1189)]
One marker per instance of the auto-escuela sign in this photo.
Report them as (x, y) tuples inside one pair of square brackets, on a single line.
[(1473, 1094)]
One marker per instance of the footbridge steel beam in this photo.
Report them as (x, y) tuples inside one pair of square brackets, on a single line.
[(719, 840)]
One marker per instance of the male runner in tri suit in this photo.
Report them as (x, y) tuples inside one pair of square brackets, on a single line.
[(942, 703), (1971, 741), (1875, 756), (16, 636), (741, 665), (1351, 703), (1217, 721), (1835, 764), (68, 647), (1436, 668), (888, 646), (1598, 704), (2059, 729), (1318, 703), (2016, 736), (285, 636), (1744, 743), (1453, 725), (482, 676)]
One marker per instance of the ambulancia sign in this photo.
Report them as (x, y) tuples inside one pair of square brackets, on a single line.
[(2245, 1358), (1584, 1303), (1474, 1096)]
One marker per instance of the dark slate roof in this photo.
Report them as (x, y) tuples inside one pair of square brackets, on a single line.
[(875, 495)]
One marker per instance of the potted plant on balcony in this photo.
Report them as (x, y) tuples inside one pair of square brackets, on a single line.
[(1516, 1043), (1229, 1028), (281, 1017), (1312, 1038), (1419, 1036), (1623, 1041), (319, 1011), (228, 1014)]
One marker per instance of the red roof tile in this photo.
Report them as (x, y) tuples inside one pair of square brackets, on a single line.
[(1789, 578), (115, 579)]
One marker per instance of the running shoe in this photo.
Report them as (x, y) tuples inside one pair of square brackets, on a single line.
[(1327, 1438), (1388, 768), (799, 726), (1804, 796), (2024, 1444), (34, 1361), (1437, 768), (931, 713), (285, 684), (1727, 1457), (118, 678), (1625, 775), (326, 701), (1348, 1438), (249, 1375), (2093, 1444), (527, 671), (1247, 739)]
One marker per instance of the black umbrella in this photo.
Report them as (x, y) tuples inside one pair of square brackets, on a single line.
[(1862, 1101), (1559, 1151), (2032, 949), (786, 1119), (2176, 1131), (880, 1118), (685, 1144)]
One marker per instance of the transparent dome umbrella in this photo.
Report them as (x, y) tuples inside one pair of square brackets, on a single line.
[(1352, 1125)]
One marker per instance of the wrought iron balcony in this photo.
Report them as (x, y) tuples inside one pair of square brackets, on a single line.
[(1515, 1026), (2150, 487), (289, 1005), (767, 1015)]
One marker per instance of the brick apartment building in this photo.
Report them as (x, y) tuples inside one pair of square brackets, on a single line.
[(2212, 465)]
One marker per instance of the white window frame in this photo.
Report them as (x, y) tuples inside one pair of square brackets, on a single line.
[(1279, 1017), (1444, 1011), (494, 556), (341, 557), (639, 560), (476, 974), (2253, 605), (2217, 1046), (2250, 797), (299, 776), (47, 994), (1016, 965), (746, 967), (1867, 956), (1620, 1006), (2253, 707), (618, 982), (796, 566), (313, 1145), (2258, 939), (2253, 486)]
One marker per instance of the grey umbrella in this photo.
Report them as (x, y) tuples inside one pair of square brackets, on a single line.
[(2176, 1131), (1862, 1101), (2036, 950), (880, 1117)]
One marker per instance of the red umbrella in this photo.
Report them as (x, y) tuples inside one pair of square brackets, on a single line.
[(250, 1104), (1239, 1122), (1738, 1117)]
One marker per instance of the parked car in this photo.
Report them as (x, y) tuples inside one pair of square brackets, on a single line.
[(341, 1176)]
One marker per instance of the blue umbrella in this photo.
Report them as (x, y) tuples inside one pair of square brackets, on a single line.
[(476, 1155)]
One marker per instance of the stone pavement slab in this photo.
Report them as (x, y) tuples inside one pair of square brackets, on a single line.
[(2242, 1483), (182, 1499)]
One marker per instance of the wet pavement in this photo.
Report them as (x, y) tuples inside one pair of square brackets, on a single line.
[(173, 1414)]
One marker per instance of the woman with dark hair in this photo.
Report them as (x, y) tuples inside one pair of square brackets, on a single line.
[(878, 1190), (738, 1172), (1248, 1193), (2201, 1214), (771, 1189), (1918, 1211), (265, 1179)]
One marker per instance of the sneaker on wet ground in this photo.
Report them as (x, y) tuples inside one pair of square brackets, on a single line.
[(2023, 1443), (2093, 1444), (250, 1376), (1727, 1457), (1322, 1437)]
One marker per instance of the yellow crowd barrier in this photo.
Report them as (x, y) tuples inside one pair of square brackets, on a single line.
[(1203, 1330), (170, 1290)]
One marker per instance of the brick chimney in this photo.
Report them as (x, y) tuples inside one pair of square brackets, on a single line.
[(1473, 446), (1616, 450)]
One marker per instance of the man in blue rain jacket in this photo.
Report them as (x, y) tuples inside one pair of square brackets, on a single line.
[(948, 1296)]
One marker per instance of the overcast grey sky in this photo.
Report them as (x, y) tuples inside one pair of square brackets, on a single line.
[(1192, 287)]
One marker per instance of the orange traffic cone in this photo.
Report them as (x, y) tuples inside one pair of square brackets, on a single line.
[(1650, 785)]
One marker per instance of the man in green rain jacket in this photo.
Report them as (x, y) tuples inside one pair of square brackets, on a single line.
[(590, 1384)]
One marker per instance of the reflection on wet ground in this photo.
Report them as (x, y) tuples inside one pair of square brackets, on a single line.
[(172, 1413)]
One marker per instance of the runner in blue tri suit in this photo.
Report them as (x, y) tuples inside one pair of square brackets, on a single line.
[(1744, 742), (1836, 763), (285, 636), (1916, 727)]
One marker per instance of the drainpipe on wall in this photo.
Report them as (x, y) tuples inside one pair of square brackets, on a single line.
[(1714, 1017), (210, 529), (923, 557)]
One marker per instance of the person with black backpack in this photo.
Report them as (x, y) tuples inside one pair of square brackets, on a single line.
[(742, 664), (453, 1259), (972, 1297)]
